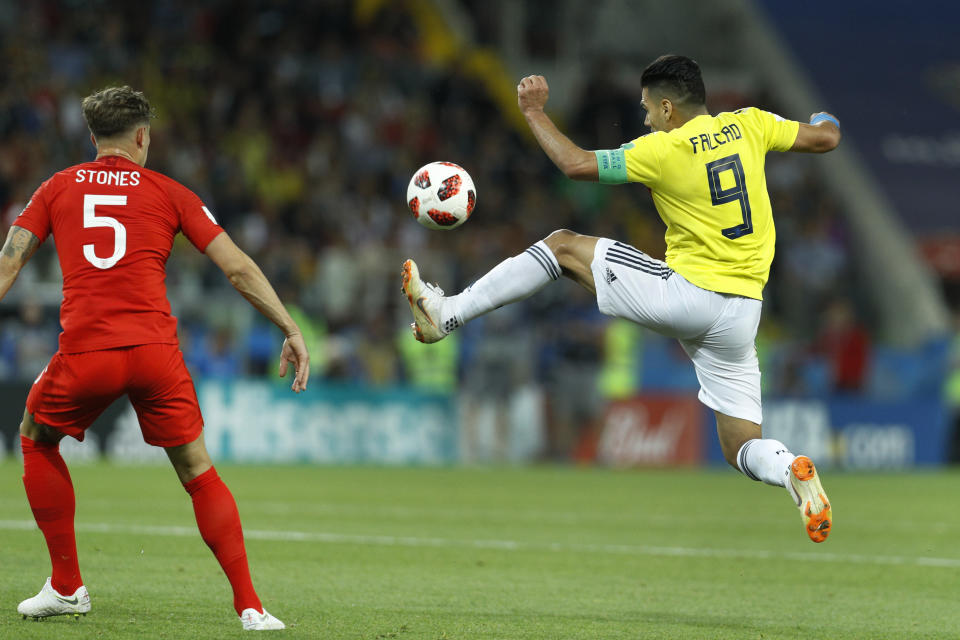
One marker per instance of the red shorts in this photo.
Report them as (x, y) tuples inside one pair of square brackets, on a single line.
[(75, 388)]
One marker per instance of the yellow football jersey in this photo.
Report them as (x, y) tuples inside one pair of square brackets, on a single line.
[(708, 184)]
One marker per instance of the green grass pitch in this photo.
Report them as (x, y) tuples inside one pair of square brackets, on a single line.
[(372, 553)]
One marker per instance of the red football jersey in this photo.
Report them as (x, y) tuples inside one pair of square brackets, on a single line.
[(114, 223)]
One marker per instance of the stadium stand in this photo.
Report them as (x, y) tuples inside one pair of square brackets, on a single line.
[(300, 126)]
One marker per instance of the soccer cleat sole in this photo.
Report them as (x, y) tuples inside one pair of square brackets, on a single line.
[(814, 506), (421, 318), (76, 616)]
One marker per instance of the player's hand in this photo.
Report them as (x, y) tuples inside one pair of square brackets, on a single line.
[(532, 93), (295, 351)]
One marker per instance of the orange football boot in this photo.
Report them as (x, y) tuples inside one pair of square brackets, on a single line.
[(424, 300), (811, 499)]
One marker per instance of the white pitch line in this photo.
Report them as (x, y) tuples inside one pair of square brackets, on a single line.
[(508, 545)]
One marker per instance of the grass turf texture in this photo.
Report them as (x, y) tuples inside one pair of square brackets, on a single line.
[(502, 553)]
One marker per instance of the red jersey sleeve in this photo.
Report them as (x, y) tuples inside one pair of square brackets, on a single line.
[(196, 221), (35, 217)]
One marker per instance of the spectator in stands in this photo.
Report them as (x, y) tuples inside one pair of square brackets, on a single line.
[(845, 343)]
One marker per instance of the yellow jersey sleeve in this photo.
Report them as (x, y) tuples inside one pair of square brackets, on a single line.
[(635, 161), (779, 134)]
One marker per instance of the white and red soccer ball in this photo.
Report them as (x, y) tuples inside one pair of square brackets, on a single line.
[(441, 195)]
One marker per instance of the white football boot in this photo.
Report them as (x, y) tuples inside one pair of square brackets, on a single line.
[(253, 620), (50, 603), (804, 486), (425, 301)]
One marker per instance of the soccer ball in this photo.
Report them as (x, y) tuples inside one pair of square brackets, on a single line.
[(441, 195)]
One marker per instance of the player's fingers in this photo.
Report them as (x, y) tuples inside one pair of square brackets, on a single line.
[(303, 374)]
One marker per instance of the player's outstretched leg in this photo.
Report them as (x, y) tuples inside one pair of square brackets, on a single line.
[(561, 253), (49, 602), (769, 461), (50, 493), (219, 523)]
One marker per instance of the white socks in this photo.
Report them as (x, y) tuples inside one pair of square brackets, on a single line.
[(767, 460), (513, 279)]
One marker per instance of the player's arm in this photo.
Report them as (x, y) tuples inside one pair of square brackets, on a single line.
[(576, 163), (820, 136), (247, 278), (17, 250)]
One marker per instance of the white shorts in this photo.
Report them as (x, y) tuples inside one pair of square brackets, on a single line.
[(717, 330)]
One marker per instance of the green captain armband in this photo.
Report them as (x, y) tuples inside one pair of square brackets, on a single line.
[(611, 166)]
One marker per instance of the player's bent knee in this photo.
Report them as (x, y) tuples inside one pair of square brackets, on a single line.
[(573, 250), (560, 241), (190, 460), (32, 430), (28, 428)]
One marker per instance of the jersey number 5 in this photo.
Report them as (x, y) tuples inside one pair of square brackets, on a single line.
[(91, 219), (735, 193)]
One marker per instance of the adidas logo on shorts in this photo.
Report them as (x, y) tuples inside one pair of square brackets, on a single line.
[(611, 276)]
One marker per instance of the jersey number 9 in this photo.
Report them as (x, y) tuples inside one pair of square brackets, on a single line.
[(735, 193)]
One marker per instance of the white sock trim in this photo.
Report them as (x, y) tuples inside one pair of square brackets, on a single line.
[(767, 460), (513, 279), (542, 253), (742, 460)]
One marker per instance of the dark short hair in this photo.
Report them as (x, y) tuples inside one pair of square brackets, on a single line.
[(115, 110), (676, 76)]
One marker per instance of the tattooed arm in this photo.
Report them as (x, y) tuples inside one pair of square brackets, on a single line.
[(19, 247)]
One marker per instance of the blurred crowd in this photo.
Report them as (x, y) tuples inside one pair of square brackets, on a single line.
[(300, 124)]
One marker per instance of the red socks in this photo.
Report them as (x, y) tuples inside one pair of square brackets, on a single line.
[(219, 524), (50, 492)]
